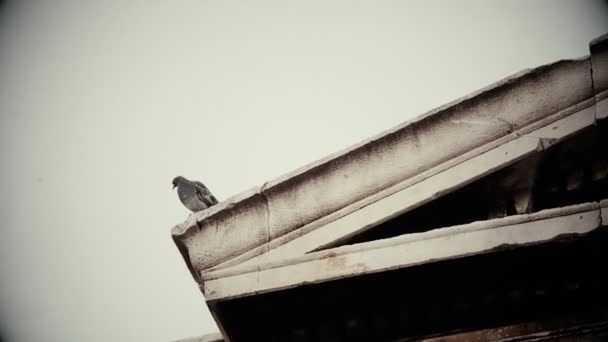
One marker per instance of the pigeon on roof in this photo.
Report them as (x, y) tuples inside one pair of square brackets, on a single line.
[(194, 195)]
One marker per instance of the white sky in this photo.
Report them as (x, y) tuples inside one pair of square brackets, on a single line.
[(101, 105)]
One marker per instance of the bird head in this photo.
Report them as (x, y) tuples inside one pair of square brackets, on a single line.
[(177, 181)]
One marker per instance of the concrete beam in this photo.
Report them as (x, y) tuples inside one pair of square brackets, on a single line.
[(404, 251), (405, 200), (426, 190), (308, 196)]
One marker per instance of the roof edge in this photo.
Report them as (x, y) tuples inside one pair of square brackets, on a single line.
[(256, 216)]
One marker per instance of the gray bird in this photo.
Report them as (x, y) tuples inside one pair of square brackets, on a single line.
[(194, 195)]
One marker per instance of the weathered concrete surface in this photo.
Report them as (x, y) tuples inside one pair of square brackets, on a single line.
[(428, 189), (599, 63), (404, 251), (283, 205), (425, 142), (416, 237), (401, 201), (241, 227), (421, 188)]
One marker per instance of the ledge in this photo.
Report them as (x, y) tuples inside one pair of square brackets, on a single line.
[(299, 202), (406, 251), (421, 189)]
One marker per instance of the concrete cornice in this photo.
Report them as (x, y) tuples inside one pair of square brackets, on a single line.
[(407, 251), (314, 194)]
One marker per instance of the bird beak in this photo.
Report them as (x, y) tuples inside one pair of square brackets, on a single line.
[(173, 186)]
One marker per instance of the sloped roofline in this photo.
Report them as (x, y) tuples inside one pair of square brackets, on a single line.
[(305, 197)]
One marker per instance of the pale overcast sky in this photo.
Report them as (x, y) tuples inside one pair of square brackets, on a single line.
[(102, 104)]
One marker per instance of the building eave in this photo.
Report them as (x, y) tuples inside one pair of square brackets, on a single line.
[(288, 232), (264, 218), (407, 251)]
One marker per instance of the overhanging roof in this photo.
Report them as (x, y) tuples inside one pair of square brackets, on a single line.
[(401, 168), (288, 232)]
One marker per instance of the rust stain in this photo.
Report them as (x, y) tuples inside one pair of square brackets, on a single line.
[(334, 261), (337, 262), (329, 255)]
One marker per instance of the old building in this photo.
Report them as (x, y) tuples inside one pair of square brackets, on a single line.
[(482, 220)]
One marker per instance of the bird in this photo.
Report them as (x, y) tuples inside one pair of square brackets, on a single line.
[(194, 195)]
